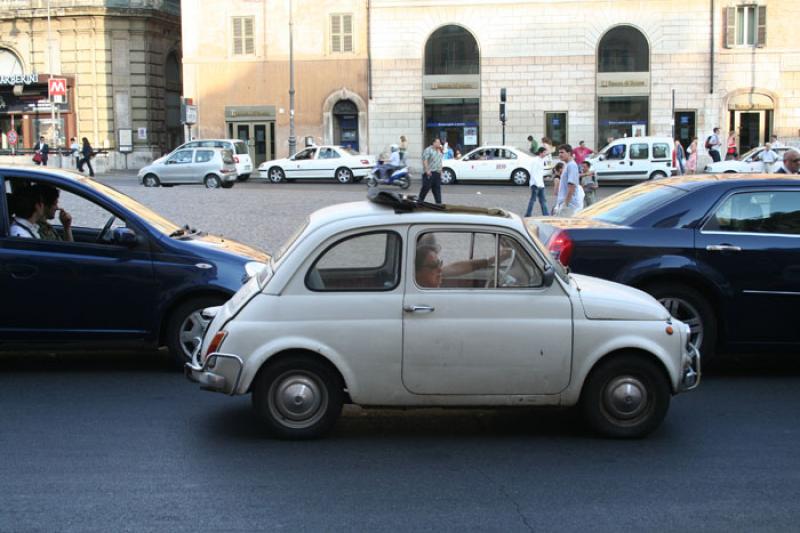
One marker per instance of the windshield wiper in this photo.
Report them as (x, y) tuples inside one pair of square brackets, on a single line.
[(183, 231)]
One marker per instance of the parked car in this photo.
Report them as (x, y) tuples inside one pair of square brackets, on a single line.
[(634, 158), (721, 252), (489, 163), (129, 278), (359, 308), (238, 147), (341, 163), (213, 167), (748, 162)]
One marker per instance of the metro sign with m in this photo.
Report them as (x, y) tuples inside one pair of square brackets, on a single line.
[(57, 87)]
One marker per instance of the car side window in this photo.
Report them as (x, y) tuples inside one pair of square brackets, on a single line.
[(473, 260), (364, 262), (328, 153), (616, 152), (508, 154), (639, 151), (305, 154), (661, 151), (183, 156), (775, 212), (203, 156)]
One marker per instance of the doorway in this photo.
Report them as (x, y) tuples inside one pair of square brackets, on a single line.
[(685, 127), (345, 131), (259, 136), (754, 128)]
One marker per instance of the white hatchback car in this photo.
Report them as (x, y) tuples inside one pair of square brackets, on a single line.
[(489, 163), (394, 303), (343, 164), (749, 162), (241, 155)]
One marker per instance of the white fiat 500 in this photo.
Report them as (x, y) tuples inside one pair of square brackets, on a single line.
[(392, 303)]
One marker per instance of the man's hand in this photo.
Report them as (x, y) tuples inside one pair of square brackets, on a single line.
[(65, 218)]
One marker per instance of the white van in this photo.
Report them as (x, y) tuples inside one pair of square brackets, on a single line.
[(635, 158)]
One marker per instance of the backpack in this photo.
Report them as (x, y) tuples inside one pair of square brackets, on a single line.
[(708, 143)]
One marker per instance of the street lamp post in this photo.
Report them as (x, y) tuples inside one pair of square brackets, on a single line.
[(54, 127), (292, 138)]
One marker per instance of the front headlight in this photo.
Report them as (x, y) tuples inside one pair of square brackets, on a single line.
[(252, 268)]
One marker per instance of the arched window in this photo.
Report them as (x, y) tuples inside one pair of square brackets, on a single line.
[(623, 49), (451, 50), (9, 62)]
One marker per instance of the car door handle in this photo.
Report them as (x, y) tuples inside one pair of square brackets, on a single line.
[(418, 308), (622, 162), (723, 248), (21, 271)]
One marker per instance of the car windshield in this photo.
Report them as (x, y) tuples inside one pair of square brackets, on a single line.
[(348, 150), (151, 217), (630, 204), (241, 147)]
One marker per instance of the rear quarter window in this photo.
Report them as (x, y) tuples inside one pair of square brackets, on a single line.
[(240, 148), (661, 151)]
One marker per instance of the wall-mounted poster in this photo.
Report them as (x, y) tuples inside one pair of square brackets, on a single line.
[(470, 136)]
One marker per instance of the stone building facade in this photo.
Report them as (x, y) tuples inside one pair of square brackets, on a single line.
[(582, 70), (236, 70), (121, 60)]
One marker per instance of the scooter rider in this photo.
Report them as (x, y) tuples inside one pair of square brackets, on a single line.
[(387, 169)]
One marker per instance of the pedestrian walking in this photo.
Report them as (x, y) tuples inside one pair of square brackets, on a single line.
[(679, 158), (403, 147), (74, 151), (432, 172), (447, 152), (589, 184), (691, 164), (731, 152), (713, 145), (570, 192), (537, 183), (582, 152), (87, 153), (534, 146), (41, 152), (547, 142), (558, 168), (775, 142), (768, 158)]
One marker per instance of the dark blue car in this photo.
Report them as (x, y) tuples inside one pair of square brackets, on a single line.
[(722, 253), (129, 277)]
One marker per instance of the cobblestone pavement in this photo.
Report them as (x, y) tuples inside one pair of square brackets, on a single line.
[(265, 214)]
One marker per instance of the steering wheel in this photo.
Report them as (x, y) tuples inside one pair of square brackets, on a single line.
[(101, 236)]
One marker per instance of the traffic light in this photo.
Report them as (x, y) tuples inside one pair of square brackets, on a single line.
[(503, 104)]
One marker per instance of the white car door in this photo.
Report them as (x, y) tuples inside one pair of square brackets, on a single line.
[(301, 165), (638, 162), (326, 163), (467, 334)]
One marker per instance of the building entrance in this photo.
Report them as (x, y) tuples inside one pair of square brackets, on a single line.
[(345, 131), (754, 128), (259, 136)]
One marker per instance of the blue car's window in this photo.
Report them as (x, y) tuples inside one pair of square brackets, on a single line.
[(776, 212), (631, 204)]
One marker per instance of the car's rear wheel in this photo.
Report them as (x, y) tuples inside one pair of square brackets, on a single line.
[(186, 325), (227, 184), (276, 175), (344, 175), (151, 180), (626, 396), (243, 177), (448, 176), (298, 397), (212, 182), (657, 175), (520, 177), (691, 307)]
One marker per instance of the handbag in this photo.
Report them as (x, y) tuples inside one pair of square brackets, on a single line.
[(37, 157)]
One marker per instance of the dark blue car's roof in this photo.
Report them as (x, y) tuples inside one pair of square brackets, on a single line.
[(700, 181)]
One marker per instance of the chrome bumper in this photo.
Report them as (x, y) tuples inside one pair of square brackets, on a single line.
[(208, 379), (690, 370)]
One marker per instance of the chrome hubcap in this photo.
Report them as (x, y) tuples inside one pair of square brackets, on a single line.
[(625, 397), (191, 332), (344, 176), (275, 176), (149, 181), (686, 313), (297, 399), (519, 178), (447, 177)]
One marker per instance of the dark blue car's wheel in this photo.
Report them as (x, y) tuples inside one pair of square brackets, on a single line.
[(186, 327), (691, 307)]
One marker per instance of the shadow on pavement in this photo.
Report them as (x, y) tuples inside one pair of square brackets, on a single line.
[(95, 361)]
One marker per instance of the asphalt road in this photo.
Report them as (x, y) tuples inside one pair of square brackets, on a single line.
[(115, 442)]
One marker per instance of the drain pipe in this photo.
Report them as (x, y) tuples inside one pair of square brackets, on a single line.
[(711, 56)]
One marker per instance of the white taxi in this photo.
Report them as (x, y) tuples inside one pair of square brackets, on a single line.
[(393, 303), (341, 163), (749, 162), (489, 163)]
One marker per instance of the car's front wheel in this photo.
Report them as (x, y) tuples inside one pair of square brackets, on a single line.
[(657, 175), (186, 326), (151, 180), (626, 396), (344, 175), (298, 397), (448, 176), (520, 177), (276, 175), (692, 308)]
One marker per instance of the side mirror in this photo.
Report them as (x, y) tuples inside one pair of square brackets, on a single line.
[(124, 237), (601, 157), (549, 276)]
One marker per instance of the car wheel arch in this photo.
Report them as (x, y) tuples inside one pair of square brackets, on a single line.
[(289, 353), (705, 288), (180, 299)]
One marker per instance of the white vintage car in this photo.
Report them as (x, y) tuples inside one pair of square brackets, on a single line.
[(502, 163), (749, 162), (393, 303), (319, 162)]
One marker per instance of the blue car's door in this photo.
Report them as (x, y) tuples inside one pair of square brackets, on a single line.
[(753, 241), (89, 289)]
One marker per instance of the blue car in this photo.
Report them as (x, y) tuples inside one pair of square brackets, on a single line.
[(722, 253), (122, 277)]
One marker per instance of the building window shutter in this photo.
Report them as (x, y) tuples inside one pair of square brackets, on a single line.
[(730, 27), (336, 33), (347, 31), (237, 36), (249, 36), (762, 26)]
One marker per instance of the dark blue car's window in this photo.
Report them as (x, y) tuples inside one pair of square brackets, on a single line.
[(631, 204), (773, 212)]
